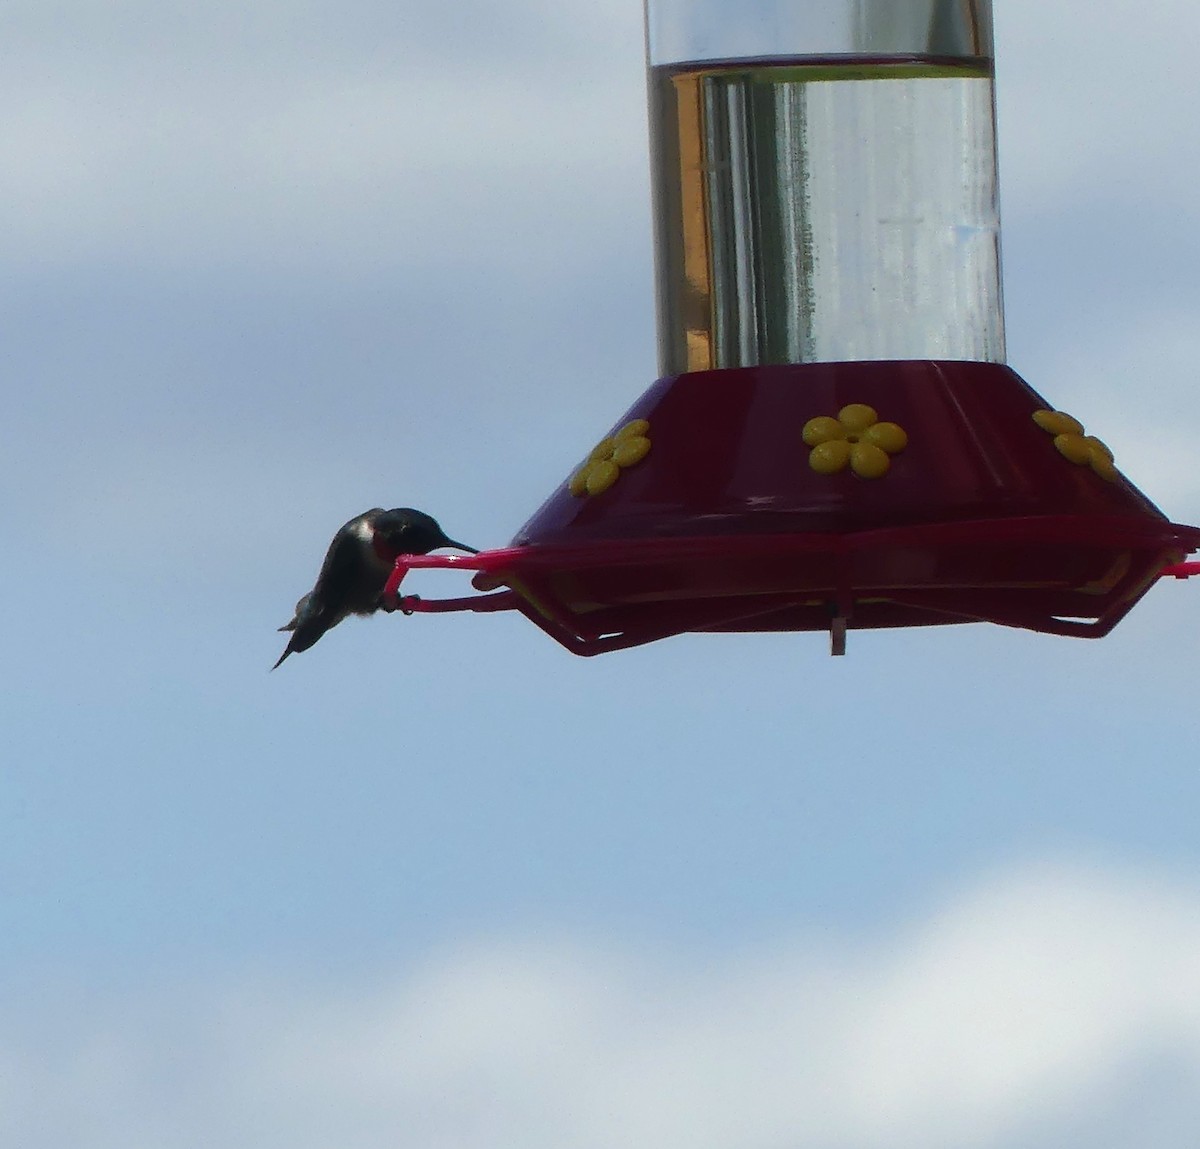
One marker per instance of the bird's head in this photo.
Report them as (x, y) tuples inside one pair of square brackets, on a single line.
[(403, 531)]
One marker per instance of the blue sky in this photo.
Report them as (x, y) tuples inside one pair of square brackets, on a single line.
[(437, 883)]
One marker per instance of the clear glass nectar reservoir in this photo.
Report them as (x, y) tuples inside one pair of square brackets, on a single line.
[(826, 205)]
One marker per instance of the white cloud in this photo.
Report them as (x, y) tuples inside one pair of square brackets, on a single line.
[(1024, 1006), (308, 136), (1091, 105)]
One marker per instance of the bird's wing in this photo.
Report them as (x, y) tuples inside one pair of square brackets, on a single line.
[(347, 563), (347, 584)]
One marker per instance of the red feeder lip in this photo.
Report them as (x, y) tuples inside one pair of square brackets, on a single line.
[(832, 496), (1182, 570)]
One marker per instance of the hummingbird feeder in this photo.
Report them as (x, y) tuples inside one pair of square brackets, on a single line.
[(836, 441)]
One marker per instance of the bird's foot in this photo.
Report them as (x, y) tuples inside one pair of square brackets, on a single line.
[(405, 603)]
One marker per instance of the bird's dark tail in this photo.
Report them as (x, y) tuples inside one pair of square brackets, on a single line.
[(291, 646), (306, 631)]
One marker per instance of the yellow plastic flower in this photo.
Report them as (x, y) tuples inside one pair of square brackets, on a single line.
[(627, 447), (1082, 450), (856, 437)]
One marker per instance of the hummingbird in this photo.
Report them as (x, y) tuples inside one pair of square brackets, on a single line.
[(356, 569)]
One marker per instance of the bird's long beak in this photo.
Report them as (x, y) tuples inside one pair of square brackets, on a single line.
[(459, 546)]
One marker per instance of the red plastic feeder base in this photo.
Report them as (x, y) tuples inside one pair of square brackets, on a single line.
[(834, 496)]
